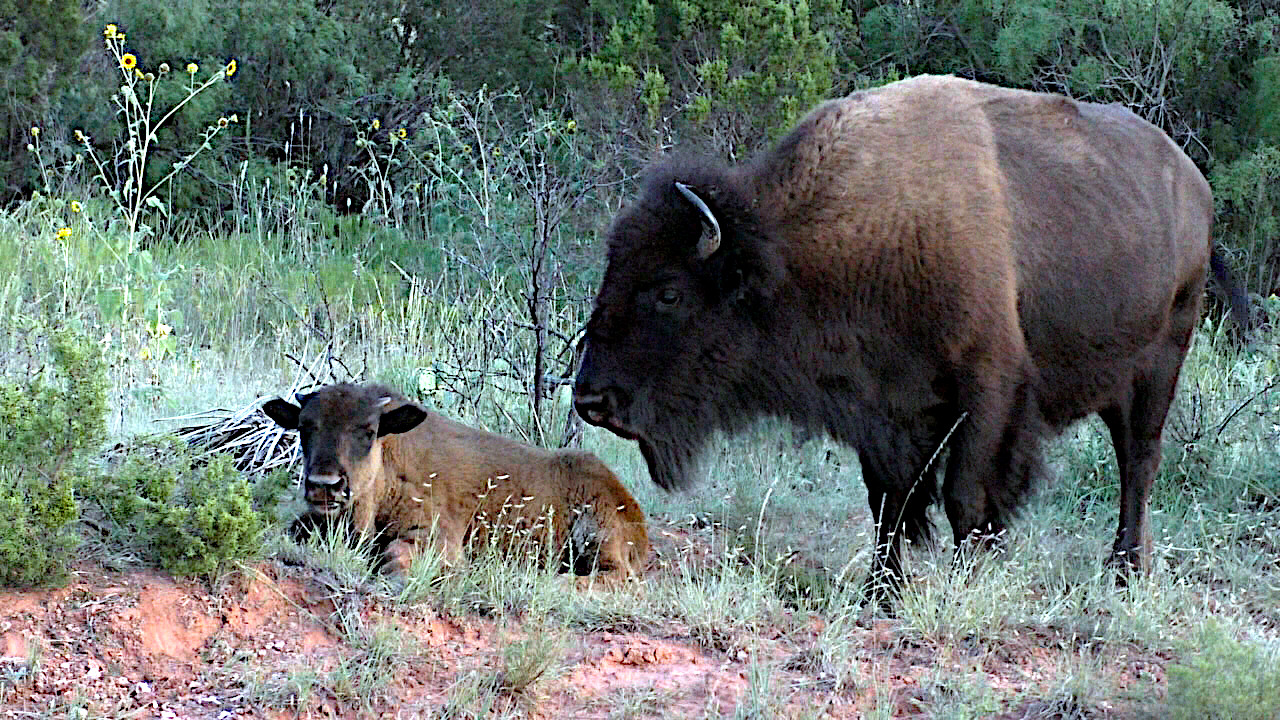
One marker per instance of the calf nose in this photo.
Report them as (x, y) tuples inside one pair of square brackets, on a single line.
[(325, 489), (327, 481)]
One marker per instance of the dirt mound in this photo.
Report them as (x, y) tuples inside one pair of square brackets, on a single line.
[(146, 643), (280, 642)]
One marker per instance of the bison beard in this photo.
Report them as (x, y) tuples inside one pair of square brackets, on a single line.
[(935, 260)]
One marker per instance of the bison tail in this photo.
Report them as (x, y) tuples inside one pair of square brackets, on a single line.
[(1230, 292)]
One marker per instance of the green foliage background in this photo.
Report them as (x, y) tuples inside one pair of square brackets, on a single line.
[(638, 76)]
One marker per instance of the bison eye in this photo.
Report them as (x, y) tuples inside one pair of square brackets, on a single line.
[(668, 298)]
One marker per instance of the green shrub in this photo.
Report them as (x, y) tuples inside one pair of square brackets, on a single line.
[(35, 542), (49, 416), (1225, 678), (737, 73), (1247, 193), (40, 42), (187, 518), (215, 524)]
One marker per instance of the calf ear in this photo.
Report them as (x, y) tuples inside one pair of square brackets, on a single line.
[(283, 412), (401, 420)]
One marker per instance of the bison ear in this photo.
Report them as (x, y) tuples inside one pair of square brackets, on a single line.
[(401, 420), (303, 398), (283, 412), (710, 240)]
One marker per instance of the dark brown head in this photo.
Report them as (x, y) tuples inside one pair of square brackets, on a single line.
[(678, 317), (339, 427)]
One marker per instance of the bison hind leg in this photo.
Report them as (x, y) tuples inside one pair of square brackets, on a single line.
[(1136, 422)]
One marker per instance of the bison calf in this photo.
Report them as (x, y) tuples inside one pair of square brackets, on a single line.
[(388, 465)]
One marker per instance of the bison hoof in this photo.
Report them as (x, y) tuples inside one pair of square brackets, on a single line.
[(599, 582), (1128, 563), (881, 596), (974, 548)]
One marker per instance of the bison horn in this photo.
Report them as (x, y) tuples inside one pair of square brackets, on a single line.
[(710, 240), (382, 402)]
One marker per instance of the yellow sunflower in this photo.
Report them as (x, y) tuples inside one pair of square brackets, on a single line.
[(128, 61), (192, 68), (64, 233), (231, 68), (75, 206)]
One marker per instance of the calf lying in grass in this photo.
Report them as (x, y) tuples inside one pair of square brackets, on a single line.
[(394, 468)]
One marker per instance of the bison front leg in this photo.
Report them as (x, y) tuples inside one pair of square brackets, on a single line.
[(884, 581), (446, 537), (995, 455), (900, 488)]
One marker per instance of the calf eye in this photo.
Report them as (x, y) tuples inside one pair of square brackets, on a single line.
[(668, 297)]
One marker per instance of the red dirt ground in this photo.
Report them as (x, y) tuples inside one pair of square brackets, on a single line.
[(145, 645)]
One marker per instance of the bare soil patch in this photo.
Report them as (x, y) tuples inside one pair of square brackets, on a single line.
[(143, 644)]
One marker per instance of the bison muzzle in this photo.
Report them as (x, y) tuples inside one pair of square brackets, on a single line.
[(936, 259)]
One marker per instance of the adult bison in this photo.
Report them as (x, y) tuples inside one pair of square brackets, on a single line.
[(387, 465), (933, 258)]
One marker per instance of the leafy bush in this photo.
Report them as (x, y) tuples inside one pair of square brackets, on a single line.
[(739, 73), (48, 419), (189, 519), (1225, 678), (39, 44), (1247, 192)]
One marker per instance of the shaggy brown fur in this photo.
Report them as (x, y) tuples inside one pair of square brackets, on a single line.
[(395, 468), (935, 254)]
